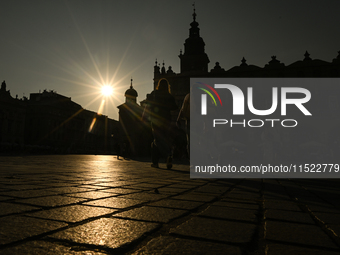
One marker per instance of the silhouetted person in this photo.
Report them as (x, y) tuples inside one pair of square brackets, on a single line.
[(185, 114), (118, 150), (125, 150), (159, 105)]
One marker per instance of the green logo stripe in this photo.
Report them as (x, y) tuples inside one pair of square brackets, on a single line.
[(209, 94)]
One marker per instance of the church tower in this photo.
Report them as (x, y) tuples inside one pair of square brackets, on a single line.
[(131, 95), (194, 58), (134, 136)]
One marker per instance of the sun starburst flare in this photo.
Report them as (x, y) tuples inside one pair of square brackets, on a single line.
[(107, 90)]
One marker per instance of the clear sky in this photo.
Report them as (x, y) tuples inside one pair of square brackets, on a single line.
[(74, 47)]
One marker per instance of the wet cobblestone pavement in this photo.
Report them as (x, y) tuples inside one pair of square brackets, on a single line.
[(81, 204)]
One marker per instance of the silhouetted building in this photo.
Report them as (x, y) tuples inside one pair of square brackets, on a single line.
[(134, 135), (52, 123), (194, 63), (12, 120), (58, 123)]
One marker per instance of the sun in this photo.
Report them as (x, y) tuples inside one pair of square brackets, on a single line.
[(107, 90)]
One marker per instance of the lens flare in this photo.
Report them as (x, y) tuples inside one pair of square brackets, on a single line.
[(107, 90)]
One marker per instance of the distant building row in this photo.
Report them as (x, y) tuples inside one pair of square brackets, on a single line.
[(51, 123)]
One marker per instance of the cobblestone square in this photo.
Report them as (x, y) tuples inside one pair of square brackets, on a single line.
[(84, 204)]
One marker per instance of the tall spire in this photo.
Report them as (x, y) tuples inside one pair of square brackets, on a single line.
[(194, 57), (194, 31)]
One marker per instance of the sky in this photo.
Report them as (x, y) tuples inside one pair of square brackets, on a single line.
[(75, 47)]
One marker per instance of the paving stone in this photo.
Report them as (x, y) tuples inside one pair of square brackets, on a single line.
[(281, 205), (240, 200), (203, 181), (46, 248), (72, 213), (15, 228), (50, 185), (108, 232), (114, 184), (306, 198), (301, 234), (51, 201), (92, 187), (176, 203), (182, 186), (212, 189), (25, 186), (2, 198), (276, 196), (114, 202), (280, 249), (120, 190), (8, 208), (298, 217), (138, 189), (148, 185), (329, 218), (244, 195), (333, 199), (194, 197), (66, 190), (236, 205), (167, 190), (166, 245), (159, 181), (230, 213), (335, 228), (323, 208), (28, 193), (144, 196), (273, 190), (92, 194), (219, 230), (149, 213)]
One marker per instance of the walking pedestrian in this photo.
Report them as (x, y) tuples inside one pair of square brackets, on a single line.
[(159, 105), (185, 114)]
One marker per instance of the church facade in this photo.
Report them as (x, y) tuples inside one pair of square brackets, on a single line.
[(134, 135), (194, 63)]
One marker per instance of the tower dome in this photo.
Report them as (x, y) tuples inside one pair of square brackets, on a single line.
[(131, 94)]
